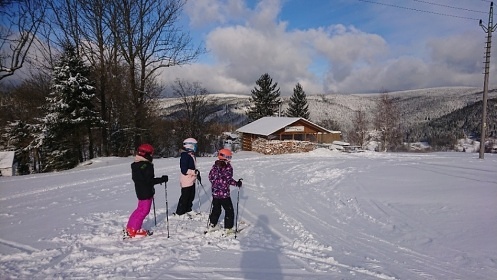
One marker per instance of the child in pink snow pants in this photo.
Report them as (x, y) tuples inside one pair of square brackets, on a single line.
[(140, 213), (142, 173)]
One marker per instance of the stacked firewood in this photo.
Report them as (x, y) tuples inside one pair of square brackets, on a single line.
[(276, 147)]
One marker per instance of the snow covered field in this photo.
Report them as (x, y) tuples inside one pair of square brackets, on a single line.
[(318, 215)]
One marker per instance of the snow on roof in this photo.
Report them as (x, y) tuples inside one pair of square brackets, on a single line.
[(341, 143), (268, 125), (231, 135), (6, 159)]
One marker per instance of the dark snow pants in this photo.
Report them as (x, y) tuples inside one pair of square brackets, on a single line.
[(185, 202), (229, 213)]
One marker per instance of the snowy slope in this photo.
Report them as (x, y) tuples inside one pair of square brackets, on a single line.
[(318, 215)]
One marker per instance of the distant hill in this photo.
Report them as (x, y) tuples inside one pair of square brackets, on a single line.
[(458, 124), (444, 108)]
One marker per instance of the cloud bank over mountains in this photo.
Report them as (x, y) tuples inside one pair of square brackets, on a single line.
[(339, 47)]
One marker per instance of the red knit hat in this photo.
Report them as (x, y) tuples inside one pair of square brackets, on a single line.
[(146, 151)]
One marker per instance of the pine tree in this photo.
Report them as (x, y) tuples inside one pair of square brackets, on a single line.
[(70, 113), (265, 98), (298, 106)]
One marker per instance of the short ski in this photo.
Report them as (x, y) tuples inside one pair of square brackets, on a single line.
[(193, 214), (126, 236), (224, 233), (187, 215), (232, 232), (211, 230)]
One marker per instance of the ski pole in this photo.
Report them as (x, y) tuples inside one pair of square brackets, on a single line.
[(208, 217), (155, 216), (198, 193), (167, 210), (205, 191), (237, 201)]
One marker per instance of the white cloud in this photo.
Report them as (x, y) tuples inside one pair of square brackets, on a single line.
[(206, 12), (213, 78), (248, 42), (345, 49), (461, 52)]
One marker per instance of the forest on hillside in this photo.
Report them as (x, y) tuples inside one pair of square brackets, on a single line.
[(438, 116)]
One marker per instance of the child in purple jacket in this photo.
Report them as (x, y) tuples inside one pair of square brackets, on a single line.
[(221, 178)]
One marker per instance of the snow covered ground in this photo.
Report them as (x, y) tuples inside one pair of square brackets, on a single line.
[(318, 215)]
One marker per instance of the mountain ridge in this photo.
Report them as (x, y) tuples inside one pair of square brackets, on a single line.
[(417, 107)]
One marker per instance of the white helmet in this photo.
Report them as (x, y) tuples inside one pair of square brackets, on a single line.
[(190, 144)]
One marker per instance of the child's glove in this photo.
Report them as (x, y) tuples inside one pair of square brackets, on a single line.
[(164, 178), (239, 183)]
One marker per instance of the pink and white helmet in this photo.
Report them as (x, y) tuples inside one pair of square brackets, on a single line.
[(190, 144)]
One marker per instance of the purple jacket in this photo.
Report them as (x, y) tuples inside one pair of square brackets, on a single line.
[(221, 177)]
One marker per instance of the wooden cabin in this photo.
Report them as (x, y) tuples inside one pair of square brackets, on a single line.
[(285, 128)]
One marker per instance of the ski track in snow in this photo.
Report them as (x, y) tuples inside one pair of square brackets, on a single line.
[(19, 246), (305, 246), (60, 187), (92, 245), (301, 244), (391, 219)]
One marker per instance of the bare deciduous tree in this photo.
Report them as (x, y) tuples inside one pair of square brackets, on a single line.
[(192, 119), (387, 122), (358, 134), (21, 20), (100, 48), (149, 39)]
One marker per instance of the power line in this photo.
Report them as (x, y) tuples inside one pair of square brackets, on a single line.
[(418, 10), (450, 7)]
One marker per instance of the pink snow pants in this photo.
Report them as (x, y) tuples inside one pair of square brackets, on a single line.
[(136, 219)]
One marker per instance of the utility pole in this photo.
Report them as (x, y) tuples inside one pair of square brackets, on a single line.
[(489, 29)]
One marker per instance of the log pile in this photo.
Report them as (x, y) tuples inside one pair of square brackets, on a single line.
[(277, 147)]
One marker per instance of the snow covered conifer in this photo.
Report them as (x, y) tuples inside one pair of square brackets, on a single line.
[(70, 113)]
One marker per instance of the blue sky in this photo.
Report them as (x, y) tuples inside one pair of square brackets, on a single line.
[(336, 46)]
